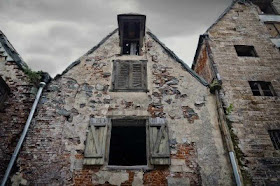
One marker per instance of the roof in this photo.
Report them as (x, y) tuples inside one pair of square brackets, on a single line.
[(168, 51), (78, 61), (202, 37), (9, 52), (174, 56)]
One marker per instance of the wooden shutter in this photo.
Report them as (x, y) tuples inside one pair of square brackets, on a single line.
[(138, 75), (159, 142), (122, 75), (130, 75), (96, 141)]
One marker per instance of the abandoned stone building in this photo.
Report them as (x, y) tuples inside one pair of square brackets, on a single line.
[(130, 112), (240, 54)]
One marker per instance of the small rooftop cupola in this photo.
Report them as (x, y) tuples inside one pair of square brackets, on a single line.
[(131, 32)]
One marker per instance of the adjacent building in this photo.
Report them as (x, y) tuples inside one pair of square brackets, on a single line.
[(239, 54)]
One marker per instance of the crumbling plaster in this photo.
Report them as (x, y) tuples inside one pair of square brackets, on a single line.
[(55, 142)]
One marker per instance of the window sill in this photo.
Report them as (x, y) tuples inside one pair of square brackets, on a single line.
[(129, 90), (136, 167)]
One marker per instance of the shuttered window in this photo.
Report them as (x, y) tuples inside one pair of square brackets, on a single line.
[(127, 142), (4, 90), (159, 142), (130, 76)]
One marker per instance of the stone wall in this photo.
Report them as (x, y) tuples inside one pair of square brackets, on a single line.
[(53, 152), (16, 110), (252, 116)]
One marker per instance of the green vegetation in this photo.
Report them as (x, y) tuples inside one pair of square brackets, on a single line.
[(229, 109), (239, 154), (215, 85), (33, 76)]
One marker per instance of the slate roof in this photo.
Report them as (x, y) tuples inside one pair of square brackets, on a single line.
[(8, 51)]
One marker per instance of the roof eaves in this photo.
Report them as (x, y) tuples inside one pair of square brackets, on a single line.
[(12, 51), (184, 65), (199, 44), (78, 61), (225, 12)]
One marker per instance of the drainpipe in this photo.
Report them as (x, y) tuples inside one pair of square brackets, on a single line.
[(222, 119), (22, 137)]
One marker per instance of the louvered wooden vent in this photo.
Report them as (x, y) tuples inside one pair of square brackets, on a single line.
[(130, 76)]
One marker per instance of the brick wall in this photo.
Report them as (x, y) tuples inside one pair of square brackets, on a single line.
[(15, 112)]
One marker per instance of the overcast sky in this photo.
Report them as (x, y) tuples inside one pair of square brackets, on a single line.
[(51, 34)]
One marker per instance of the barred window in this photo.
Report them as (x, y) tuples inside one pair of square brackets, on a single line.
[(262, 88)]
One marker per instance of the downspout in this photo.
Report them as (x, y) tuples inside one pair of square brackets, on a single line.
[(24, 132), (222, 119)]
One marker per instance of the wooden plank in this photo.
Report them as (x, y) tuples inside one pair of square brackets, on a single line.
[(96, 139), (158, 140)]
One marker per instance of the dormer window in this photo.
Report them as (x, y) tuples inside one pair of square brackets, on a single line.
[(131, 32)]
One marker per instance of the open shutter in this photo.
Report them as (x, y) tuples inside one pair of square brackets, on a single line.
[(122, 75), (159, 142), (96, 141), (138, 75)]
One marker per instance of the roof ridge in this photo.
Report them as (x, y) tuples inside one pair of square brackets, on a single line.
[(78, 61), (184, 65), (11, 52), (225, 12)]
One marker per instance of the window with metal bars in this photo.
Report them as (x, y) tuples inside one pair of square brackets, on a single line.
[(129, 75), (273, 29), (275, 138), (262, 88)]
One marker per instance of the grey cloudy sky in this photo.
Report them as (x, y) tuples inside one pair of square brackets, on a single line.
[(50, 34)]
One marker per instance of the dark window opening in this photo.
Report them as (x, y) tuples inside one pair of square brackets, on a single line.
[(130, 47), (262, 88), (131, 37), (267, 8), (131, 30), (244, 50), (275, 138), (128, 143), (4, 91)]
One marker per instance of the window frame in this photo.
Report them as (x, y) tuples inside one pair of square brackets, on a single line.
[(237, 47), (108, 140), (260, 89), (158, 150), (115, 77)]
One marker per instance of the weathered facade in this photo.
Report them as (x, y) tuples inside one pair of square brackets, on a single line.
[(130, 112), (241, 53), (151, 100)]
